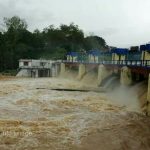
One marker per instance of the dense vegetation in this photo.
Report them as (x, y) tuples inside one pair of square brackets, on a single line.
[(17, 42)]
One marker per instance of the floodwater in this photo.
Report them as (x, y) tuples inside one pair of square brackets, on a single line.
[(43, 119)]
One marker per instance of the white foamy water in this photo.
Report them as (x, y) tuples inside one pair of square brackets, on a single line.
[(42, 119)]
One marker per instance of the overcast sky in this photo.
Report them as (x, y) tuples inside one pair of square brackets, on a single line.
[(121, 23)]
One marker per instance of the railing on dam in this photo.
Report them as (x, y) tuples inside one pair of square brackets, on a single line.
[(138, 63)]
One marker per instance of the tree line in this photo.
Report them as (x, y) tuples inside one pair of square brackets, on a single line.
[(17, 42)]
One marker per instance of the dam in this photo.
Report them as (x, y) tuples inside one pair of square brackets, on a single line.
[(92, 104), (130, 66)]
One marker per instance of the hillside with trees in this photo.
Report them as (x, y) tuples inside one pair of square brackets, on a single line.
[(17, 42)]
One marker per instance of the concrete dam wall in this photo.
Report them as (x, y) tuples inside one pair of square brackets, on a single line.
[(132, 87)]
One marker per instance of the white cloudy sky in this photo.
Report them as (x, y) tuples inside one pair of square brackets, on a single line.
[(121, 23)]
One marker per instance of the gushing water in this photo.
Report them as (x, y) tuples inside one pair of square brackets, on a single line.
[(41, 119)]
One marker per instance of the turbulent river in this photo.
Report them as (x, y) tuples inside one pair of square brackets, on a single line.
[(34, 117)]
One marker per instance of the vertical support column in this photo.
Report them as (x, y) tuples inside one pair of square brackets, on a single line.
[(52, 71), (100, 74), (126, 76), (56, 69), (148, 98), (82, 71), (48, 72), (62, 68), (36, 73), (103, 73)]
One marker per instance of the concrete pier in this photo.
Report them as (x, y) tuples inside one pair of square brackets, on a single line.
[(103, 73), (82, 71), (62, 68), (148, 97), (36, 73), (126, 76)]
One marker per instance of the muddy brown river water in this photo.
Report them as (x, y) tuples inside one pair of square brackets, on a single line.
[(33, 117)]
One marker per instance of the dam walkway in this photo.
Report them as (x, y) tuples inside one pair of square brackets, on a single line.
[(137, 66), (136, 63)]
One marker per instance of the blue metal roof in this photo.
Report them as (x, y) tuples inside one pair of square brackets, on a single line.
[(142, 47), (72, 54), (94, 52), (148, 47), (120, 51), (145, 47)]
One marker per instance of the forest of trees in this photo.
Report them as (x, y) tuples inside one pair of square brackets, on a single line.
[(17, 42)]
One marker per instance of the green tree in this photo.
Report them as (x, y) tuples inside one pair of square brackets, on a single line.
[(95, 42), (74, 37), (17, 42), (15, 23), (15, 27)]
